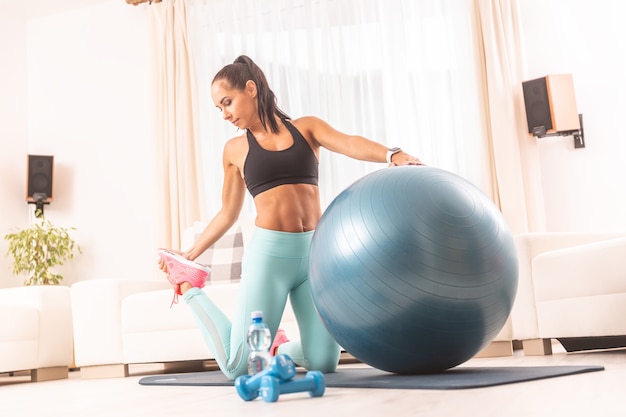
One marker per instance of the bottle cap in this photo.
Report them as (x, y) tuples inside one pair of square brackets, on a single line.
[(256, 314)]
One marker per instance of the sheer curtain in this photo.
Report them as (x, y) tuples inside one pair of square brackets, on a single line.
[(402, 72)]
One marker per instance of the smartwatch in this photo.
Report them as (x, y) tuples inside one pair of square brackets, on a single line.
[(391, 152)]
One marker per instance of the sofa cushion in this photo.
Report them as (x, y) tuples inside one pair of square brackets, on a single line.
[(38, 331), (224, 258)]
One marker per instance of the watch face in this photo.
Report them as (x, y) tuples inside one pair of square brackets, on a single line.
[(394, 150)]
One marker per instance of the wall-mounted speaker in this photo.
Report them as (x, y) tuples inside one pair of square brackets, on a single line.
[(39, 178), (551, 104)]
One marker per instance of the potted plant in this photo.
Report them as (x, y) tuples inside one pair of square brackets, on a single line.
[(37, 249)]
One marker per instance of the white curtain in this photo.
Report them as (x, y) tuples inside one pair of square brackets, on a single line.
[(515, 159), (402, 72), (181, 186)]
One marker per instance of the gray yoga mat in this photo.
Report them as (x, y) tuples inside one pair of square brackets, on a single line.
[(367, 377)]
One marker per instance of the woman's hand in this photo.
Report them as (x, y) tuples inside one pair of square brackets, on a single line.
[(403, 158), (161, 262)]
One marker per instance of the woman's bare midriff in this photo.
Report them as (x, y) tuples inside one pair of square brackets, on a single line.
[(288, 208)]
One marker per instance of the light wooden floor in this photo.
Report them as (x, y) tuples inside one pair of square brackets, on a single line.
[(593, 394)]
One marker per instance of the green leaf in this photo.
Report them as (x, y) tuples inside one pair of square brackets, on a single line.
[(39, 248)]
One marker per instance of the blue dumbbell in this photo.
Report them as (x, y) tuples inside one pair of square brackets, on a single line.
[(271, 387), (281, 367)]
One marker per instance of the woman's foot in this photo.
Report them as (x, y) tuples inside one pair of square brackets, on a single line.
[(281, 337)]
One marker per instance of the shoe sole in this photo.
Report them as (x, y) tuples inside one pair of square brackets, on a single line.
[(182, 260)]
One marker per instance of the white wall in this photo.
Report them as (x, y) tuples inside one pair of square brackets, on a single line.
[(89, 103), (584, 189), (13, 134)]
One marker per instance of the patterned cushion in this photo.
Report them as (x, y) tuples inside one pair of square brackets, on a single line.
[(224, 258)]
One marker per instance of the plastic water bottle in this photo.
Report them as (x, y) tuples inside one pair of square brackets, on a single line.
[(259, 340)]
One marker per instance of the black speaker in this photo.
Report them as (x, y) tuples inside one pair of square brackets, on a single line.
[(537, 104), (550, 104), (39, 178)]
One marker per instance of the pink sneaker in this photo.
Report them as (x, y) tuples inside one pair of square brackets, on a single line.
[(180, 269), (281, 337)]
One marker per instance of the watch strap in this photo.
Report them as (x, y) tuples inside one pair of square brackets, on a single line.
[(391, 152)]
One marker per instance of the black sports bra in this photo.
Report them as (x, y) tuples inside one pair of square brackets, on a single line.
[(265, 169)]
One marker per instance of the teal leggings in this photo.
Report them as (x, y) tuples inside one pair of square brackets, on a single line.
[(275, 265)]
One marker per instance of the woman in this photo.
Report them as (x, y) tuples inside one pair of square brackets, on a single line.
[(277, 161)]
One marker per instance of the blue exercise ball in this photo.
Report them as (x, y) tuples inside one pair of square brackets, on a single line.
[(413, 270)]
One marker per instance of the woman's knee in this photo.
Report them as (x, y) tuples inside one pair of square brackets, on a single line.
[(324, 359)]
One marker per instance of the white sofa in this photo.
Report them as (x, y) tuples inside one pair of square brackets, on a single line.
[(147, 330), (561, 276), (119, 323), (96, 307), (36, 331), (580, 295), (549, 279), (123, 322), (171, 334)]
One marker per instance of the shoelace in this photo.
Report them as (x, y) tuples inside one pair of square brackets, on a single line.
[(176, 293), (174, 299)]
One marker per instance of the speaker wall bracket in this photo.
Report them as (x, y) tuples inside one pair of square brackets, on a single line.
[(579, 134), (39, 200)]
